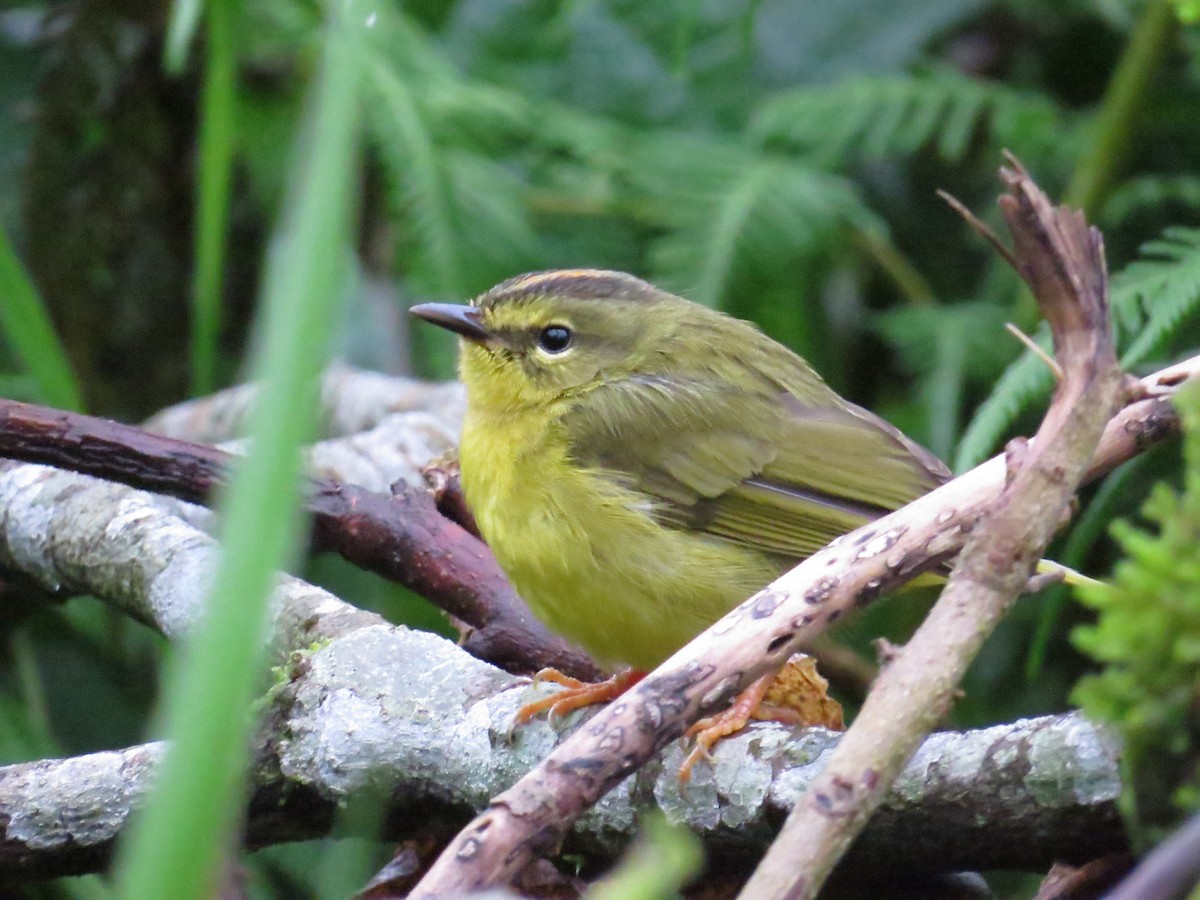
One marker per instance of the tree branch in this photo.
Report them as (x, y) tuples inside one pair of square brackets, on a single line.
[(72, 532), (104, 539), (351, 400), (756, 637), (1062, 260), (411, 716)]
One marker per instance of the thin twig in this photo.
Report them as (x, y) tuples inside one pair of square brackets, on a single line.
[(1062, 260), (1032, 346), (981, 227)]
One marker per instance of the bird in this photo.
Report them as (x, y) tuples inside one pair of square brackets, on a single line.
[(639, 464)]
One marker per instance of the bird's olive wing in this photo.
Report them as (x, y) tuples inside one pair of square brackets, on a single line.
[(762, 469)]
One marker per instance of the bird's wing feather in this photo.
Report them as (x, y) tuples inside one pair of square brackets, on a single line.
[(756, 466)]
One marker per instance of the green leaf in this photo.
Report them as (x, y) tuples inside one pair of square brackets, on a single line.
[(743, 214), (1187, 10), (176, 846), (1026, 380), (945, 346), (1146, 633), (416, 176), (821, 42), (1162, 290), (28, 329), (1149, 193), (869, 118), (212, 192), (664, 858)]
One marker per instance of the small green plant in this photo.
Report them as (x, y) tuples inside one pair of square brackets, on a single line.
[(1147, 635)]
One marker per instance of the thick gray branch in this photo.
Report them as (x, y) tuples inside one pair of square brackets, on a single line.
[(75, 533), (382, 708), (352, 400), (150, 556), (394, 448)]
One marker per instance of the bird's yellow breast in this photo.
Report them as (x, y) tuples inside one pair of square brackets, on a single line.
[(585, 552)]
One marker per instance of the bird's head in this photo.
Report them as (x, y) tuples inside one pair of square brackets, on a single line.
[(537, 339)]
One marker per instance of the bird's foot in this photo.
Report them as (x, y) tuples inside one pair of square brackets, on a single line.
[(794, 696), (576, 694), (711, 729)]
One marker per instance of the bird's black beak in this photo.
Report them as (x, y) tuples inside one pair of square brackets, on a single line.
[(463, 320)]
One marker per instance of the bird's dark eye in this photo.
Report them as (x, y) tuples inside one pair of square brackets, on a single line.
[(554, 338)]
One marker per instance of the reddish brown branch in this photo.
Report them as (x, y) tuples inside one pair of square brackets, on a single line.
[(402, 537), (1089, 881)]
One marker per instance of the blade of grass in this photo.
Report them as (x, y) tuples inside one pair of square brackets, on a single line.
[(664, 859), (1125, 102), (181, 29), (175, 847), (212, 192), (32, 692), (27, 327)]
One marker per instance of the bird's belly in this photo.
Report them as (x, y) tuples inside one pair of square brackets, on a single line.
[(593, 564), (628, 613)]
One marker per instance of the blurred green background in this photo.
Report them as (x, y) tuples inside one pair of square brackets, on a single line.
[(774, 158)]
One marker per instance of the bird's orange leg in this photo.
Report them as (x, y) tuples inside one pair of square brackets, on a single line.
[(709, 730), (794, 696), (577, 694)]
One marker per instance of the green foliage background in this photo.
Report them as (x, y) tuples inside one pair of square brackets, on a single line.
[(775, 158)]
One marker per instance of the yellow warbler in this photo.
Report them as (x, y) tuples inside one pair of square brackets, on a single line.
[(639, 464)]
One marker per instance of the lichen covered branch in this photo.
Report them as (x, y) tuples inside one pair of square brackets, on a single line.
[(413, 717)]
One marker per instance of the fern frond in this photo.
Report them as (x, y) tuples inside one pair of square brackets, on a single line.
[(944, 346), (1026, 380), (404, 45), (734, 211), (489, 215), (874, 117), (1154, 296), (474, 114), (414, 174), (1151, 192), (704, 249)]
